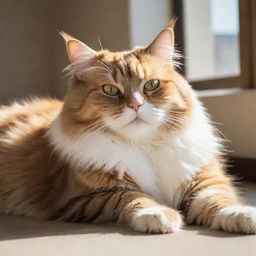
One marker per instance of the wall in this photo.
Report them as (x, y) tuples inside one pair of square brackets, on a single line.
[(147, 18), (24, 55), (32, 54)]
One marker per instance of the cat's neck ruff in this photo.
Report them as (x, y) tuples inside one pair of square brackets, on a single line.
[(159, 167)]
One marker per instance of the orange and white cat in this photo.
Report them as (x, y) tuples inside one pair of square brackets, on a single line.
[(131, 144)]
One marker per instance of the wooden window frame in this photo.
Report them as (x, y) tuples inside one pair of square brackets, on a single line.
[(247, 36)]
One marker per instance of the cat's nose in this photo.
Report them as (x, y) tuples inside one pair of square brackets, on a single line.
[(135, 105), (135, 101)]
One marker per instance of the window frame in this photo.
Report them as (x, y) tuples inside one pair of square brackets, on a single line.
[(247, 42)]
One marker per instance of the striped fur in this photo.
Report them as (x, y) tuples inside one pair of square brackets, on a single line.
[(94, 158)]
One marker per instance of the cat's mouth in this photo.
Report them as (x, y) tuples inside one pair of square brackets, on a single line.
[(137, 121)]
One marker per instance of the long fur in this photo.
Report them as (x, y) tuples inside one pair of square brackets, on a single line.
[(94, 158)]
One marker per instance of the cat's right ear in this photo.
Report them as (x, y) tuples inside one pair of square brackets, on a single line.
[(163, 45), (76, 50)]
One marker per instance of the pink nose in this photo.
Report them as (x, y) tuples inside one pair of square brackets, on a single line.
[(135, 106)]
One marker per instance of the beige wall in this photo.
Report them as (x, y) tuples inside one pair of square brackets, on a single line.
[(24, 58), (32, 54)]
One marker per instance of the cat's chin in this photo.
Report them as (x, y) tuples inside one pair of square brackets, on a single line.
[(137, 130)]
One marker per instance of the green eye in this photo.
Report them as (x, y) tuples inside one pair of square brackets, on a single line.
[(110, 90), (151, 85)]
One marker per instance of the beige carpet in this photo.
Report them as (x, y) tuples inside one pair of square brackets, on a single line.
[(25, 236)]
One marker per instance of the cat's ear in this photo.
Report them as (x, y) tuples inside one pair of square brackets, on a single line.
[(76, 50), (163, 45)]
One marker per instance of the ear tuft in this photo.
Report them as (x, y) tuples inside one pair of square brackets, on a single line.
[(65, 36), (172, 23)]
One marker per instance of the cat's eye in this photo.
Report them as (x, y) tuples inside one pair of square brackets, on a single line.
[(151, 85), (110, 90)]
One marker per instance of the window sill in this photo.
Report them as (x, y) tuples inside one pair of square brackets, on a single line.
[(235, 110)]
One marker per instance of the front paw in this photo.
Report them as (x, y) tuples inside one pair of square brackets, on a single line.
[(157, 219), (236, 218)]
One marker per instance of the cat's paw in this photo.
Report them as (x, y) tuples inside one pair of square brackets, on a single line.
[(158, 219), (236, 218)]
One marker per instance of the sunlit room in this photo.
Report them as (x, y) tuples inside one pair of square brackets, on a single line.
[(128, 127)]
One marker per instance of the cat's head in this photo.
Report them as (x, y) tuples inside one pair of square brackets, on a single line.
[(133, 95)]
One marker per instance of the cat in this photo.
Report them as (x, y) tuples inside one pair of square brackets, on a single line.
[(131, 144)]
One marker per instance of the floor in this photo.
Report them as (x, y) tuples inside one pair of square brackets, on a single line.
[(27, 236)]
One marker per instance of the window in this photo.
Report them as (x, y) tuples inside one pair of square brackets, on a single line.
[(218, 41)]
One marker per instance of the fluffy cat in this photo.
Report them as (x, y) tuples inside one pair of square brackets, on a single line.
[(131, 144)]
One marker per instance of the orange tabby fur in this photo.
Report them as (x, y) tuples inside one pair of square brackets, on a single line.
[(36, 181)]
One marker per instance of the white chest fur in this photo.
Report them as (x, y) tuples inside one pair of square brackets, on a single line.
[(159, 167)]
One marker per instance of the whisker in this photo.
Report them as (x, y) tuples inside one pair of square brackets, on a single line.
[(100, 43), (108, 68), (88, 129), (176, 119), (221, 134)]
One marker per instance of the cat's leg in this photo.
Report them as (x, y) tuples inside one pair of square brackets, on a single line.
[(131, 208), (213, 202)]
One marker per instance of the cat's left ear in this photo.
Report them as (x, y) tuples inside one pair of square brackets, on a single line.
[(76, 50), (163, 45)]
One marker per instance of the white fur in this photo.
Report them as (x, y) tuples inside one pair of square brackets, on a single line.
[(148, 120), (236, 218), (100, 150), (154, 220), (158, 166)]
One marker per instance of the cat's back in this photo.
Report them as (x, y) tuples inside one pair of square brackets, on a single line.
[(23, 127), (19, 119), (24, 153)]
